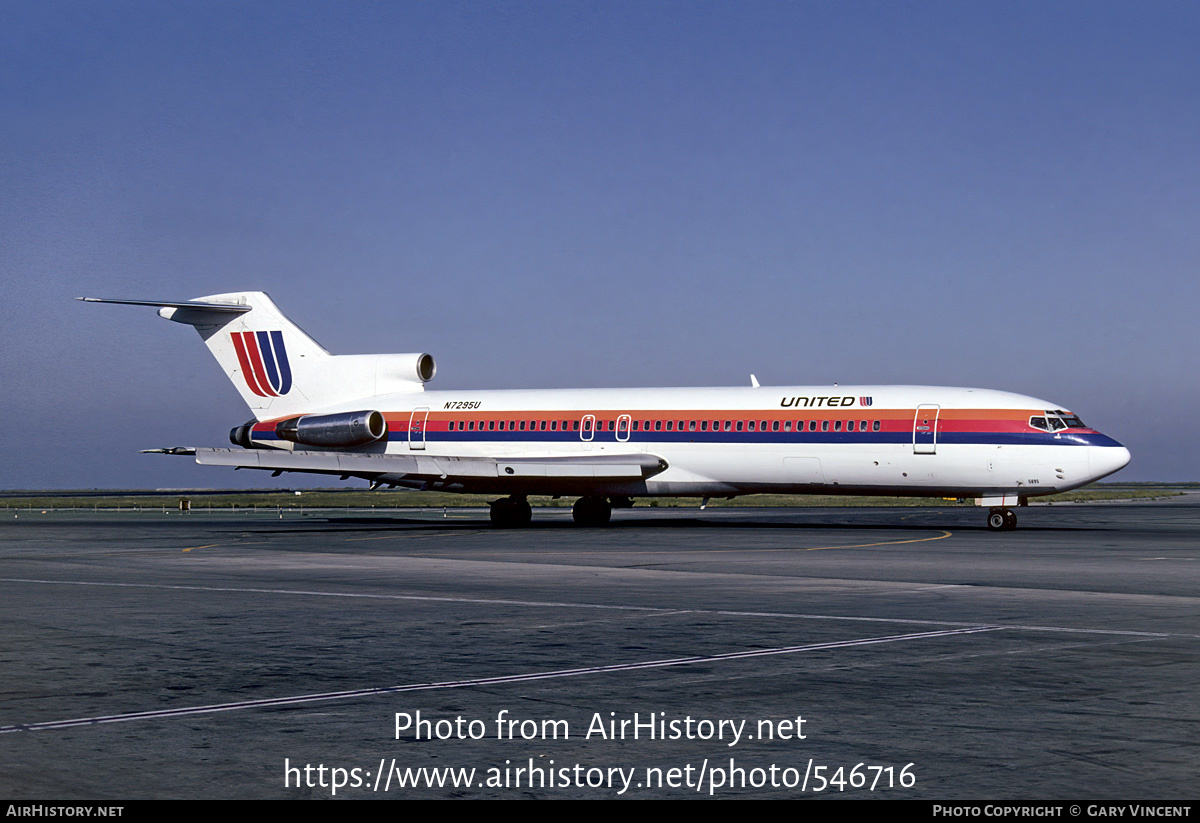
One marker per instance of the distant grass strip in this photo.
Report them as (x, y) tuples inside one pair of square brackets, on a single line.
[(362, 499)]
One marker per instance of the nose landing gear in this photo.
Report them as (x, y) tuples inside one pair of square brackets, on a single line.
[(1001, 520)]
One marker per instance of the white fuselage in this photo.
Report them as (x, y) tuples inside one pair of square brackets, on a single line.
[(902, 440)]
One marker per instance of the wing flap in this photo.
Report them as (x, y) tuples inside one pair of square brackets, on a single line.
[(572, 467), (439, 468)]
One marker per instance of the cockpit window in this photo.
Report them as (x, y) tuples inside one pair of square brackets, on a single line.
[(1072, 420), (1056, 420)]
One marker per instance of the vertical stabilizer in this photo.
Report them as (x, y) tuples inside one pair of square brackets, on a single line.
[(269, 359), (276, 367)]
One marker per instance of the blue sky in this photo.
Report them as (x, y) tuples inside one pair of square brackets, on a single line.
[(563, 194)]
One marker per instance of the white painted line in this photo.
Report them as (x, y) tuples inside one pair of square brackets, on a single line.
[(274, 702), (556, 604), (356, 595)]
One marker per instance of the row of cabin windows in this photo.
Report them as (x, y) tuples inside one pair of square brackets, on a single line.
[(514, 425), (624, 425)]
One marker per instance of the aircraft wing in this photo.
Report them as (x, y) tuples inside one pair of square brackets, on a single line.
[(529, 475)]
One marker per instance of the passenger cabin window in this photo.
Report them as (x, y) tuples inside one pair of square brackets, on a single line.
[(875, 426)]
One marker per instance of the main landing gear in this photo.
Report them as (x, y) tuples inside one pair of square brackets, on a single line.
[(591, 511), (1001, 520), (511, 513), (516, 513)]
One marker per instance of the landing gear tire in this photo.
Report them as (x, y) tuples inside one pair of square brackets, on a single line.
[(591, 511), (511, 513), (1001, 520)]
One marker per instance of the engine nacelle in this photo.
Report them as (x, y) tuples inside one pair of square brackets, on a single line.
[(240, 435), (423, 366), (347, 429), (376, 374)]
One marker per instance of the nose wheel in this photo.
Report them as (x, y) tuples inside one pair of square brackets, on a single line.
[(1000, 520)]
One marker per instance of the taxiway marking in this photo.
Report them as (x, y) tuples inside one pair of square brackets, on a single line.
[(274, 702)]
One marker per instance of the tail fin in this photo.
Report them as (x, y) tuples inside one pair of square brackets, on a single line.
[(277, 368)]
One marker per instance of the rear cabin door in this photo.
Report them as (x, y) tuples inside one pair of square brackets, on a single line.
[(416, 428)]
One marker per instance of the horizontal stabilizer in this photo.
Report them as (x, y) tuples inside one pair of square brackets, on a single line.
[(224, 308)]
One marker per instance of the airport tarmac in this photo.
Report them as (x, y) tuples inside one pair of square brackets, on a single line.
[(834, 652)]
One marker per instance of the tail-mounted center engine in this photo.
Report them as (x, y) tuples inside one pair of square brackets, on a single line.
[(346, 429), (349, 429)]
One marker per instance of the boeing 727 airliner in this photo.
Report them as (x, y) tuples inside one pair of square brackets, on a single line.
[(370, 417)]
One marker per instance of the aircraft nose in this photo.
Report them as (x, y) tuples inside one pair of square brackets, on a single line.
[(1104, 460)]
